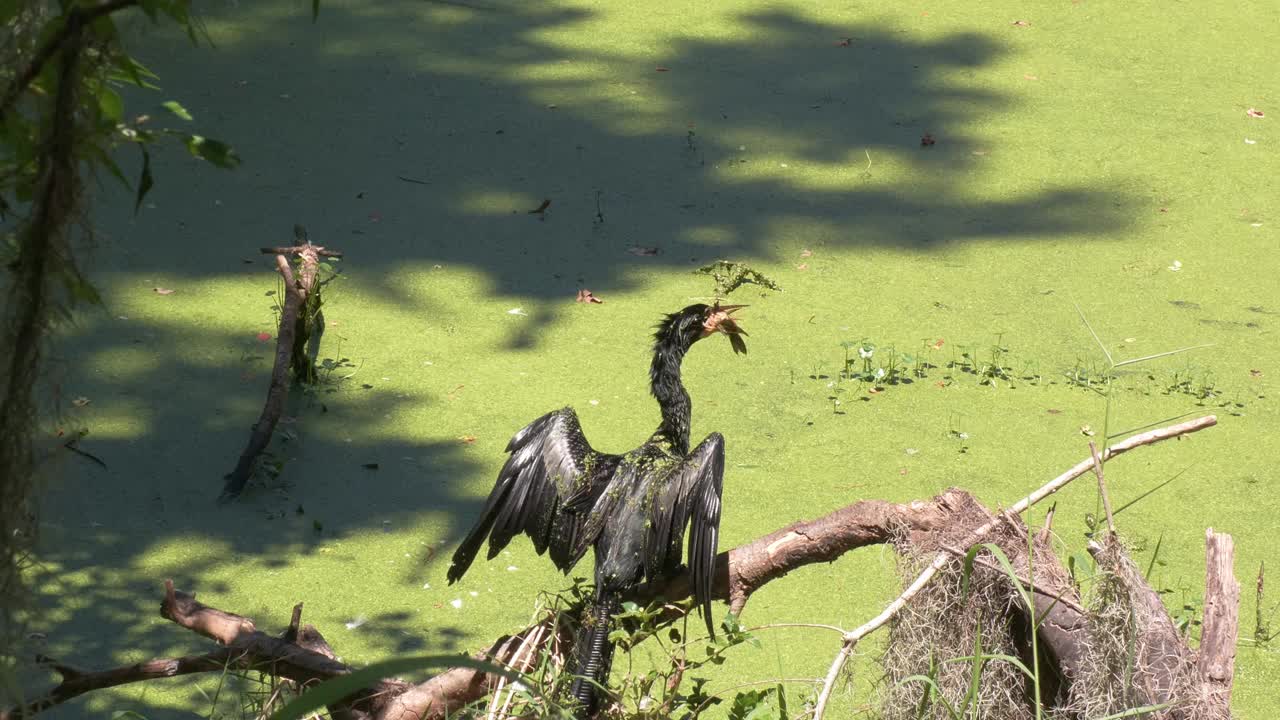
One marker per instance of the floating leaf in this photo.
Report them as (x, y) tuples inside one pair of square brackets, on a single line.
[(542, 207), (1087, 431), (643, 251), (370, 466), (1255, 112), (585, 296), (467, 439), (81, 401), (926, 140), (1021, 23), (162, 291)]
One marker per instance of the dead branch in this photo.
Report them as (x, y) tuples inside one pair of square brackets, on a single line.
[(300, 308), (1217, 656), (77, 682)]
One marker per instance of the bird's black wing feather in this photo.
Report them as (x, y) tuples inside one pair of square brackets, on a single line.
[(550, 464), (691, 495)]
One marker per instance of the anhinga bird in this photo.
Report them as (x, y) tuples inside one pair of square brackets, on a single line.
[(632, 508)]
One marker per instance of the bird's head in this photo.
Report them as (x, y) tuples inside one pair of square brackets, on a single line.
[(698, 321)]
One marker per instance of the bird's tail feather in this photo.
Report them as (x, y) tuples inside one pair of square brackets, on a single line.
[(594, 654)]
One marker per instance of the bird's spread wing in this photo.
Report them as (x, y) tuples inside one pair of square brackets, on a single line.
[(551, 465), (691, 495)]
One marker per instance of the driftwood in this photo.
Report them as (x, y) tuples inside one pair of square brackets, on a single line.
[(740, 572), (300, 308)]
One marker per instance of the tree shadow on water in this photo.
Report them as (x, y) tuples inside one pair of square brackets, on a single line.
[(412, 137)]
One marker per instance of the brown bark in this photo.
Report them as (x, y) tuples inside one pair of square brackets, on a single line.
[(1217, 656), (290, 353)]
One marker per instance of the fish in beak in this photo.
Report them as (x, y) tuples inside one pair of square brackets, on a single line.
[(720, 320)]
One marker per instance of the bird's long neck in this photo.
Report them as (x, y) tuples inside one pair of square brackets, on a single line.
[(664, 379)]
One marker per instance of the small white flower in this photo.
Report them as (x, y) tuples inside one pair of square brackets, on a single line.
[(360, 620), (512, 568), (1247, 141), (912, 451), (1176, 266), (518, 686), (594, 402), (517, 311), (865, 352), (456, 603), (879, 373), (426, 586), (473, 593)]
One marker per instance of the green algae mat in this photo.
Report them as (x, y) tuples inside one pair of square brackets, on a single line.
[(936, 185)]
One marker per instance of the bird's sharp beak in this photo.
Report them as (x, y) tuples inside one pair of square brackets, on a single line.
[(720, 320)]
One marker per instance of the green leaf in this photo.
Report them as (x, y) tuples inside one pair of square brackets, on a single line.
[(130, 70), (110, 104), (215, 151), (751, 705), (176, 108), (145, 180), (331, 691)]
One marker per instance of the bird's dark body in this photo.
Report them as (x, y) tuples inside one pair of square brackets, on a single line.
[(633, 508)]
